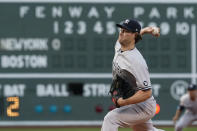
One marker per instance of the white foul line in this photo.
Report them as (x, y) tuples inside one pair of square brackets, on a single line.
[(71, 123), (193, 53)]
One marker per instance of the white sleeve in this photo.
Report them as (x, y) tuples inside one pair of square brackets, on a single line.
[(141, 74), (117, 46)]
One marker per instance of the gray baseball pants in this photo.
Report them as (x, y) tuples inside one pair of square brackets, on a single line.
[(137, 116), (185, 120)]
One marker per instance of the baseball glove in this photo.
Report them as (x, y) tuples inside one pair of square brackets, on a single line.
[(124, 85), (116, 90)]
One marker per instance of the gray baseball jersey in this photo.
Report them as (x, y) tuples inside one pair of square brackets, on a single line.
[(190, 114), (191, 106), (133, 62), (138, 116)]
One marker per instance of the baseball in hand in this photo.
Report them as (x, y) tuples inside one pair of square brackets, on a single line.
[(155, 31)]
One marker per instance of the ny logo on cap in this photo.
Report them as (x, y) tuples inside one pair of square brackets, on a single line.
[(126, 21)]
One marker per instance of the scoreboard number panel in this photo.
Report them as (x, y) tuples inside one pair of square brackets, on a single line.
[(82, 36), (10, 107)]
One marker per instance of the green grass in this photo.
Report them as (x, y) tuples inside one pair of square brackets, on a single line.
[(80, 129)]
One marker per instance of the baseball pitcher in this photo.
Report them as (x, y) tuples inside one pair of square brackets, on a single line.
[(131, 87)]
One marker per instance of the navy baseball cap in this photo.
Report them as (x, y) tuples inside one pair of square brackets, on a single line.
[(192, 87), (130, 25)]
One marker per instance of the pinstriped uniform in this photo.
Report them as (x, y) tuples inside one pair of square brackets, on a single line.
[(137, 116), (132, 61)]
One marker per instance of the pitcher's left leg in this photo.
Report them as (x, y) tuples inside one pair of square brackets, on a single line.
[(110, 122)]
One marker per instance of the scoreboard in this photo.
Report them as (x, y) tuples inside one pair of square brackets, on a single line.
[(56, 57)]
